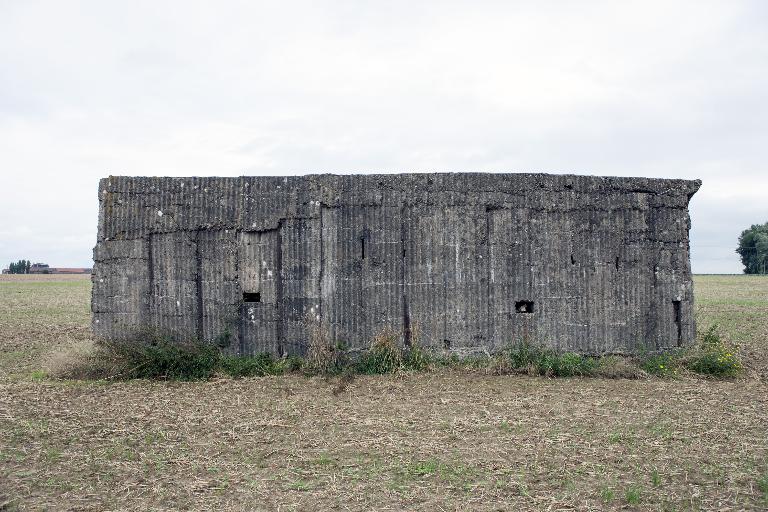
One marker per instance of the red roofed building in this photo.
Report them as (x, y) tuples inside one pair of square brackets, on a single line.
[(44, 268)]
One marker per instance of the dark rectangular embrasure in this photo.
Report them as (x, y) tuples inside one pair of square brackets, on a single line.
[(524, 306), (251, 296)]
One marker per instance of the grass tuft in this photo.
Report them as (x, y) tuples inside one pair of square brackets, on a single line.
[(160, 358), (416, 358), (154, 356), (257, 366), (537, 360), (714, 356), (633, 495), (617, 367), (666, 365), (384, 356), (607, 495), (146, 357), (762, 485), (324, 357), (655, 478)]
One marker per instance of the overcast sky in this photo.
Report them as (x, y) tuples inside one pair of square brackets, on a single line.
[(663, 89)]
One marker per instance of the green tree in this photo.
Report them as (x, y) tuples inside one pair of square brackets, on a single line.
[(753, 249), (19, 267)]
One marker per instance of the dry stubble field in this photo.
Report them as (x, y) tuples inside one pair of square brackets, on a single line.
[(444, 440)]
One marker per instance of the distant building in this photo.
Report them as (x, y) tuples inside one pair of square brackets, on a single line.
[(40, 268), (70, 270), (44, 268), (6, 271)]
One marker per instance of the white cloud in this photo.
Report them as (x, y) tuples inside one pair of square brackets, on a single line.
[(666, 89)]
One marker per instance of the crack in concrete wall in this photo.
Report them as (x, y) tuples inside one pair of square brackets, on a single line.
[(601, 262)]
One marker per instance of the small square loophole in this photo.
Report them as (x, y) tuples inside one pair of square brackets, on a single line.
[(251, 296), (524, 306)]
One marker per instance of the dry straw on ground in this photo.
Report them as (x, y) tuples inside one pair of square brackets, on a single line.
[(440, 440)]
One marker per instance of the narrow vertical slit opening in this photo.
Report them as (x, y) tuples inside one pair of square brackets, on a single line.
[(407, 330), (676, 305), (362, 248), (199, 285)]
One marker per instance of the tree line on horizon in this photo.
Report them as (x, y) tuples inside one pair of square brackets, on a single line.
[(20, 267)]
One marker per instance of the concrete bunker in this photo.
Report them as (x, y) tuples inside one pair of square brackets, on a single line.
[(459, 262)]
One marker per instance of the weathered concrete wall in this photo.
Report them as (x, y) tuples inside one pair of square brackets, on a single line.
[(455, 261)]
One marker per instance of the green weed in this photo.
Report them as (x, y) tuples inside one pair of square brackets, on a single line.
[(655, 478), (423, 468), (618, 437), (762, 485), (324, 460), (258, 365), (324, 356), (38, 375), (633, 495), (617, 367), (714, 356), (299, 485), (607, 495), (539, 360), (154, 356), (415, 358), (457, 474), (165, 359), (384, 356), (660, 365)]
